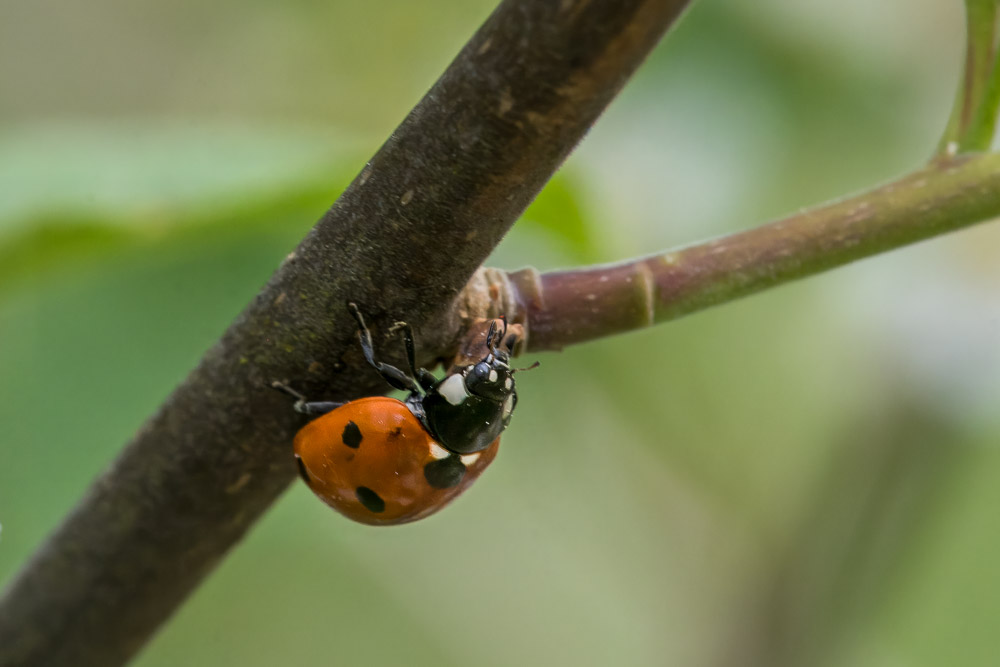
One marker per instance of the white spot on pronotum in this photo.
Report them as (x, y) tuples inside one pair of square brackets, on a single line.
[(493, 375), (508, 406), (439, 452), (453, 389), (508, 384), (469, 459)]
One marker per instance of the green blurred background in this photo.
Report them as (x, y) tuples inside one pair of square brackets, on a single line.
[(806, 477)]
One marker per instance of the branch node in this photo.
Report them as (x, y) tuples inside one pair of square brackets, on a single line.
[(647, 287)]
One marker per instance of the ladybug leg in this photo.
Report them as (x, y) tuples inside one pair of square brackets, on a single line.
[(304, 406), (395, 377), (315, 407), (424, 377), (411, 354)]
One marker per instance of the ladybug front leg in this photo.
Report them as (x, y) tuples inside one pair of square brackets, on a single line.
[(304, 406), (395, 377), (424, 377)]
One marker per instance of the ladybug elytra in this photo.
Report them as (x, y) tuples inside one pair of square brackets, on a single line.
[(382, 461)]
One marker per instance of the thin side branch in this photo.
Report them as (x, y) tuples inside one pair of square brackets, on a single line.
[(566, 307), (974, 113), (402, 240)]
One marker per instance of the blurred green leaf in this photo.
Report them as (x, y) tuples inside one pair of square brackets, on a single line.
[(140, 171), (558, 213), (62, 243)]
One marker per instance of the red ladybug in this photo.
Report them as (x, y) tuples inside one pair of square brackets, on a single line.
[(382, 461)]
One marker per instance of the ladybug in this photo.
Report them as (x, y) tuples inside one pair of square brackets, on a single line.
[(383, 461)]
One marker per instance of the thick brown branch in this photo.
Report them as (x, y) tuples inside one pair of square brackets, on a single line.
[(566, 307), (401, 241)]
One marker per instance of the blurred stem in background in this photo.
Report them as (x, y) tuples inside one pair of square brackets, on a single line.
[(833, 571)]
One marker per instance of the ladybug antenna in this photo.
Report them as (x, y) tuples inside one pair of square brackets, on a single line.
[(531, 367)]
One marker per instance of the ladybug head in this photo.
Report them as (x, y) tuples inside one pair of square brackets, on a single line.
[(492, 376), (471, 406)]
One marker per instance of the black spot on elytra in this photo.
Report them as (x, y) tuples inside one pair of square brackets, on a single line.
[(445, 473), (351, 435), (302, 469), (371, 500)]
